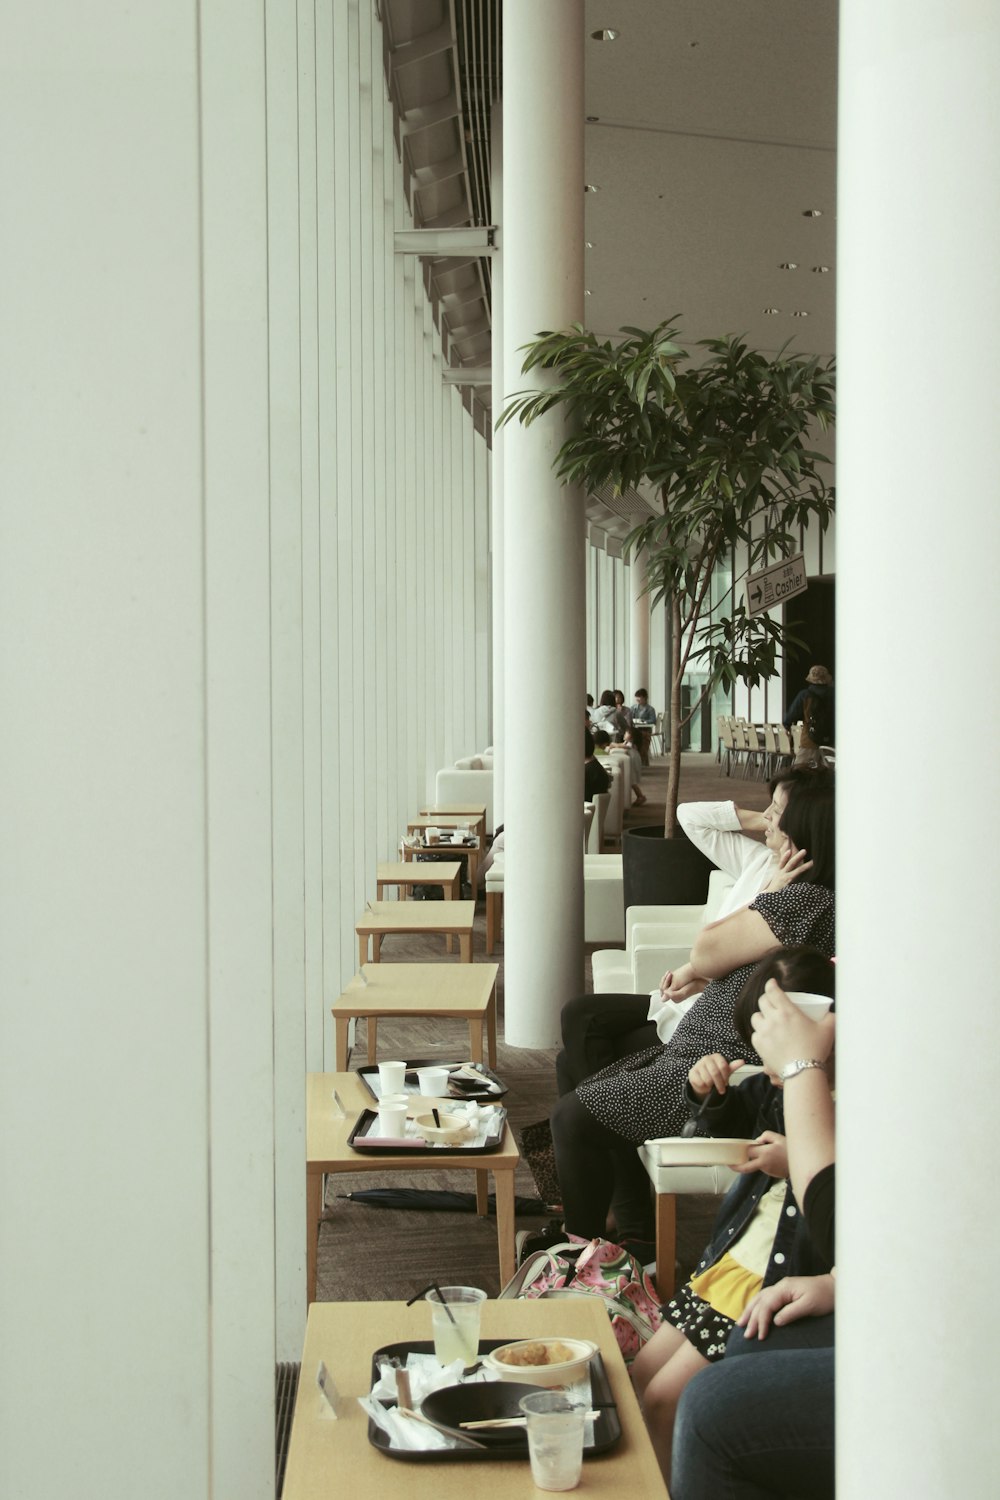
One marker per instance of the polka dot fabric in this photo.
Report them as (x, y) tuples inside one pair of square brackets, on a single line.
[(643, 1096)]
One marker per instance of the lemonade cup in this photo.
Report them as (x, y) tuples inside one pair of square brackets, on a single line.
[(455, 1314)]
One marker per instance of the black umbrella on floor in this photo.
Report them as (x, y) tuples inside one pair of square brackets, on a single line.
[(436, 1200)]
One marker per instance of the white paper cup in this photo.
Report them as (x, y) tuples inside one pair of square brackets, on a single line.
[(555, 1439), (392, 1120), (391, 1077), (813, 1006), (455, 1326), (433, 1082)]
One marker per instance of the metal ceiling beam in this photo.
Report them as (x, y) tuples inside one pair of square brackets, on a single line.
[(441, 39), (470, 375)]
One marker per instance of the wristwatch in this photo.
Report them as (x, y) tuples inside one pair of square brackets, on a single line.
[(799, 1066)]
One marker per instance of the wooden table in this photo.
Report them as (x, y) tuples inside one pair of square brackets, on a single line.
[(334, 1457), (382, 918), (327, 1151), (406, 874), (463, 811), (453, 851), (461, 991)]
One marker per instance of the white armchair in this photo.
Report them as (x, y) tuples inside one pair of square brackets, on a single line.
[(657, 938)]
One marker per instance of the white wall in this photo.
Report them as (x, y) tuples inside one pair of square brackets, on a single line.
[(242, 621)]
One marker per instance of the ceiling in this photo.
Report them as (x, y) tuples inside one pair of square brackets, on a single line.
[(710, 136)]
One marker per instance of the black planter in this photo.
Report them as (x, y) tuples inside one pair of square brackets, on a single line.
[(663, 872)]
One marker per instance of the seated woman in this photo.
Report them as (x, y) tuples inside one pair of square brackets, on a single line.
[(608, 717), (601, 1029), (764, 1427), (598, 1124), (759, 1235)]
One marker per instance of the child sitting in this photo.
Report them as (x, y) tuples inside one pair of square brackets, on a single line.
[(759, 1235)]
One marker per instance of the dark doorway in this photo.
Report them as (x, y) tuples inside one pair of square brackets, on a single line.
[(812, 617)]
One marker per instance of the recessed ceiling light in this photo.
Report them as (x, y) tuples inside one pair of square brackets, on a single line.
[(821, 270), (800, 315), (588, 244), (605, 35), (812, 213), (772, 311), (788, 265), (591, 187), (586, 293)]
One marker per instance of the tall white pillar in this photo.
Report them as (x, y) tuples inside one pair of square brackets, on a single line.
[(918, 535), (544, 609), (638, 633), (496, 488)]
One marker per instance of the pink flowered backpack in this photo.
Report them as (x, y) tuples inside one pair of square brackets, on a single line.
[(595, 1268)]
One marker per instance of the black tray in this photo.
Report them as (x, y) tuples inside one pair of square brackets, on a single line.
[(374, 1147), (607, 1425), (455, 1091)]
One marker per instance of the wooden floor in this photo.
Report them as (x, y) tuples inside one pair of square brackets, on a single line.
[(366, 1252)]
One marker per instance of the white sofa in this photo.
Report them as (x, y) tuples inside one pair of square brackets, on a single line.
[(603, 899), (657, 938), (468, 780)]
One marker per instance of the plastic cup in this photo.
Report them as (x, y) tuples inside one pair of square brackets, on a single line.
[(433, 1082), (455, 1323), (392, 1119), (391, 1077), (555, 1439)]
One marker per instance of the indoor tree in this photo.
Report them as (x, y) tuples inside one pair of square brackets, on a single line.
[(719, 435)]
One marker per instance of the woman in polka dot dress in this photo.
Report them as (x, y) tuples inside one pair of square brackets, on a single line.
[(597, 1126), (759, 1235)]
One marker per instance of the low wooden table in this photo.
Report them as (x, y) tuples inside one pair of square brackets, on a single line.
[(327, 1151), (328, 1456), (383, 918), (406, 874), (463, 811), (460, 991), (445, 820)]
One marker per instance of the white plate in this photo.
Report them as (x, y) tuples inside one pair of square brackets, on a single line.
[(699, 1151)]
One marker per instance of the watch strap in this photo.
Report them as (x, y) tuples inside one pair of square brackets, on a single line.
[(799, 1066)]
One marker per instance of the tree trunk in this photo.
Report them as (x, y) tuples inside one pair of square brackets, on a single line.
[(674, 773)]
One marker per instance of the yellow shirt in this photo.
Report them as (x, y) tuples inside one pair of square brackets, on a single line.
[(737, 1276)]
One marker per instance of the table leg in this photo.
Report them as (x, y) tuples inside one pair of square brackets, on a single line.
[(492, 901), (314, 1210), (491, 1030), (465, 947), (362, 950), (379, 889), (341, 1026), (666, 1243), (450, 894), (483, 1193), (476, 1038), (372, 1039), (376, 947), (503, 1185)]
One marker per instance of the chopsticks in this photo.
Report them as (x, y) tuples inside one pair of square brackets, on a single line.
[(487, 1422)]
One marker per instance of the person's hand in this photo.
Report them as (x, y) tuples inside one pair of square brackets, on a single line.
[(712, 1072), (781, 1033), (681, 984), (788, 1300), (788, 866), (768, 1153)]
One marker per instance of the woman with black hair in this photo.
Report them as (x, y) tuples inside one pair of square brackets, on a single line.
[(599, 1122)]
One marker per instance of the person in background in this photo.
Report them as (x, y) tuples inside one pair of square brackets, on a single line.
[(813, 706), (586, 711), (643, 723), (595, 777), (607, 717)]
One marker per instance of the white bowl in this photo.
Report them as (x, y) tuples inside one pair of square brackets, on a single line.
[(560, 1372), (452, 1127), (813, 1006), (699, 1151)]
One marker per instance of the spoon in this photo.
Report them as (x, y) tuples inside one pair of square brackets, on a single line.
[(690, 1126)]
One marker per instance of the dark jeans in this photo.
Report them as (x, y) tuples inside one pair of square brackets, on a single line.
[(597, 1169), (598, 1030), (757, 1429)]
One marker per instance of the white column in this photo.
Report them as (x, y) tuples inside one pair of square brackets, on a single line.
[(544, 609), (638, 634), (497, 508), (918, 536)]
